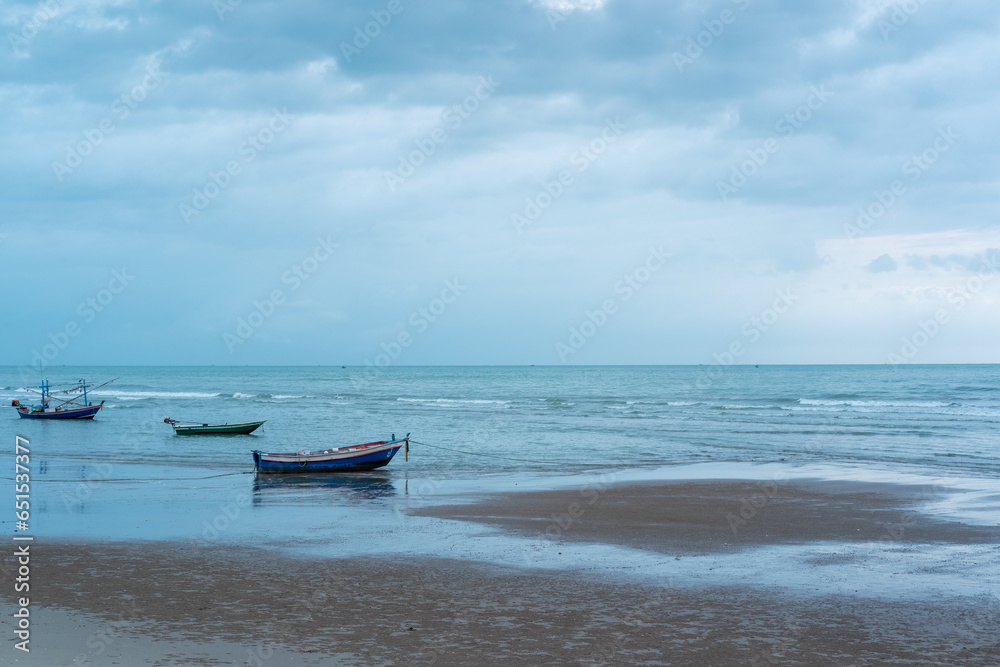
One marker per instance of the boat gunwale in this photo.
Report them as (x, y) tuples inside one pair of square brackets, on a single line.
[(186, 427), (81, 412), (326, 455)]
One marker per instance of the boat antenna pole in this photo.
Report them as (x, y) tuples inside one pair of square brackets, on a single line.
[(41, 379), (94, 388)]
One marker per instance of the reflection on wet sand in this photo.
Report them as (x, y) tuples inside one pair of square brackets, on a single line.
[(314, 487)]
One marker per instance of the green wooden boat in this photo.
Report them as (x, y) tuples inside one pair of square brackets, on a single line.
[(194, 428)]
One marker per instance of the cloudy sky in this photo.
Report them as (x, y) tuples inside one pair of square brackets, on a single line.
[(506, 182)]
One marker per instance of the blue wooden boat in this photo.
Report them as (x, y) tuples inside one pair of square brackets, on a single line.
[(59, 408), (368, 456)]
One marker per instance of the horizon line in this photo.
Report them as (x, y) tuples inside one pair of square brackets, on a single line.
[(744, 365)]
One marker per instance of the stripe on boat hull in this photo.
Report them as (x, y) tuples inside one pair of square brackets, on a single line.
[(343, 462), (82, 413)]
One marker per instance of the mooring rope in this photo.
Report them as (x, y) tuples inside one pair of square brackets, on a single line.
[(141, 479), (491, 456)]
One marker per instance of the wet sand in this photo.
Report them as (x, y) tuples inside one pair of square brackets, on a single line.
[(722, 516), (181, 603)]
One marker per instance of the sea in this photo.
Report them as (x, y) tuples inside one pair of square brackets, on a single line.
[(476, 430)]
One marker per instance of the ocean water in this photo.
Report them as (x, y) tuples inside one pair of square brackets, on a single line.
[(125, 474), (553, 419)]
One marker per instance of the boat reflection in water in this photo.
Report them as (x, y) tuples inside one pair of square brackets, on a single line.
[(319, 487)]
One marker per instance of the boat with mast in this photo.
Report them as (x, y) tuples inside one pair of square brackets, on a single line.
[(54, 406)]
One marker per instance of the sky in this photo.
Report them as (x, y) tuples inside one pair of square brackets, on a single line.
[(403, 182)]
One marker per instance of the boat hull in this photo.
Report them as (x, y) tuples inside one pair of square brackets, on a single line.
[(348, 459), (75, 413), (218, 429)]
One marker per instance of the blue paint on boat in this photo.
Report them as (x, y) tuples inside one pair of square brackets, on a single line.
[(346, 459), (75, 413)]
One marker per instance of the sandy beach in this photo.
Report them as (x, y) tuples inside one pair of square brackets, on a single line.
[(166, 603), (691, 517)]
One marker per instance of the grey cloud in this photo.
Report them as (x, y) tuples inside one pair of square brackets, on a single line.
[(882, 263), (954, 261)]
